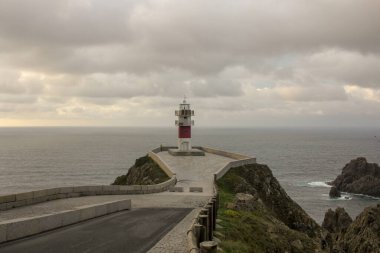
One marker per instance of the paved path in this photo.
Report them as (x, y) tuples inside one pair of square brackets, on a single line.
[(128, 231), (176, 240)]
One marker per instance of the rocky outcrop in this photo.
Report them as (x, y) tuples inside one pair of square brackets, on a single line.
[(359, 177), (336, 221), (144, 172), (259, 180), (261, 216), (347, 236), (334, 192), (246, 202), (363, 235)]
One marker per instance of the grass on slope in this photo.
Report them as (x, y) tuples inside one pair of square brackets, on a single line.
[(256, 231)]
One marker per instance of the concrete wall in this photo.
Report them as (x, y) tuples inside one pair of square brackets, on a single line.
[(222, 171), (224, 153), (33, 197), (19, 228), (161, 163), (163, 148), (28, 198)]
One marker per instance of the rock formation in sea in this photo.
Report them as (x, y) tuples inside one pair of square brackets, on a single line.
[(360, 177), (144, 172), (334, 192)]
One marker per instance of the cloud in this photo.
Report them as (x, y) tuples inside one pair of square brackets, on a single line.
[(307, 94), (144, 36), (106, 61)]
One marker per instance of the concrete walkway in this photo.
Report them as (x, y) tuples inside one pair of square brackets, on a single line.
[(195, 170)]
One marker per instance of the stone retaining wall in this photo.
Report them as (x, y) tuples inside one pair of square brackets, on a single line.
[(19, 228), (34, 197)]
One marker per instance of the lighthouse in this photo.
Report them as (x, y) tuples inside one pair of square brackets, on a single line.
[(184, 123)]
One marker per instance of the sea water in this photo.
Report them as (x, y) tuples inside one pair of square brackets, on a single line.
[(303, 160)]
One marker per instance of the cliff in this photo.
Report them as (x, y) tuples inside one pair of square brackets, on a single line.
[(359, 176), (360, 235), (363, 235), (144, 172), (258, 215)]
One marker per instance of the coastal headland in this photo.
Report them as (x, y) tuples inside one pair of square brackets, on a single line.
[(190, 184), (222, 199)]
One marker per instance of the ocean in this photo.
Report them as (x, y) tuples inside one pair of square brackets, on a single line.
[(301, 159)]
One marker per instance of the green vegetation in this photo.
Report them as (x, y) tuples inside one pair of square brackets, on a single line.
[(255, 231), (144, 172)]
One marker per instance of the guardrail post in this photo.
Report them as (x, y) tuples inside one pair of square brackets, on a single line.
[(217, 201), (209, 247), (204, 211), (210, 218), (200, 233), (214, 213), (203, 220)]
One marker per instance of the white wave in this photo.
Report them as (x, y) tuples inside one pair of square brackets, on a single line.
[(365, 196), (345, 197), (318, 184)]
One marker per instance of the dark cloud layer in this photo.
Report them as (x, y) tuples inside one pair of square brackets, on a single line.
[(95, 58)]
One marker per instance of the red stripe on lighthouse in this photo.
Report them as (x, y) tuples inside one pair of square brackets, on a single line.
[(184, 132)]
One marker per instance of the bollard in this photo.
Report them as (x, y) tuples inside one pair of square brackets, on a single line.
[(204, 211), (214, 213), (197, 233), (210, 218), (203, 220), (217, 201), (200, 233), (209, 247)]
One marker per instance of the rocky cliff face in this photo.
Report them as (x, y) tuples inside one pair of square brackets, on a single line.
[(336, 221), (363, 235), (261, 217), (347, 236), (259, 180), (359, 177), (144, 172), (258, 216)]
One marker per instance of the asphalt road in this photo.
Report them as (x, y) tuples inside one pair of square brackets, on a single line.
[(134, 231)]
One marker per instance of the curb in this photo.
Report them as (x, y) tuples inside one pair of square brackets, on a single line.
[(23, 227)]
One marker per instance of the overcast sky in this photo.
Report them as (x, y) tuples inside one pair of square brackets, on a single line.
[(240, 63)]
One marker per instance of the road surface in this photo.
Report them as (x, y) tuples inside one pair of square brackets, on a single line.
[(135, 231)]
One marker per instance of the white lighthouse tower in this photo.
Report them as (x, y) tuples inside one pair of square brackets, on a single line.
[(184, 124)]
